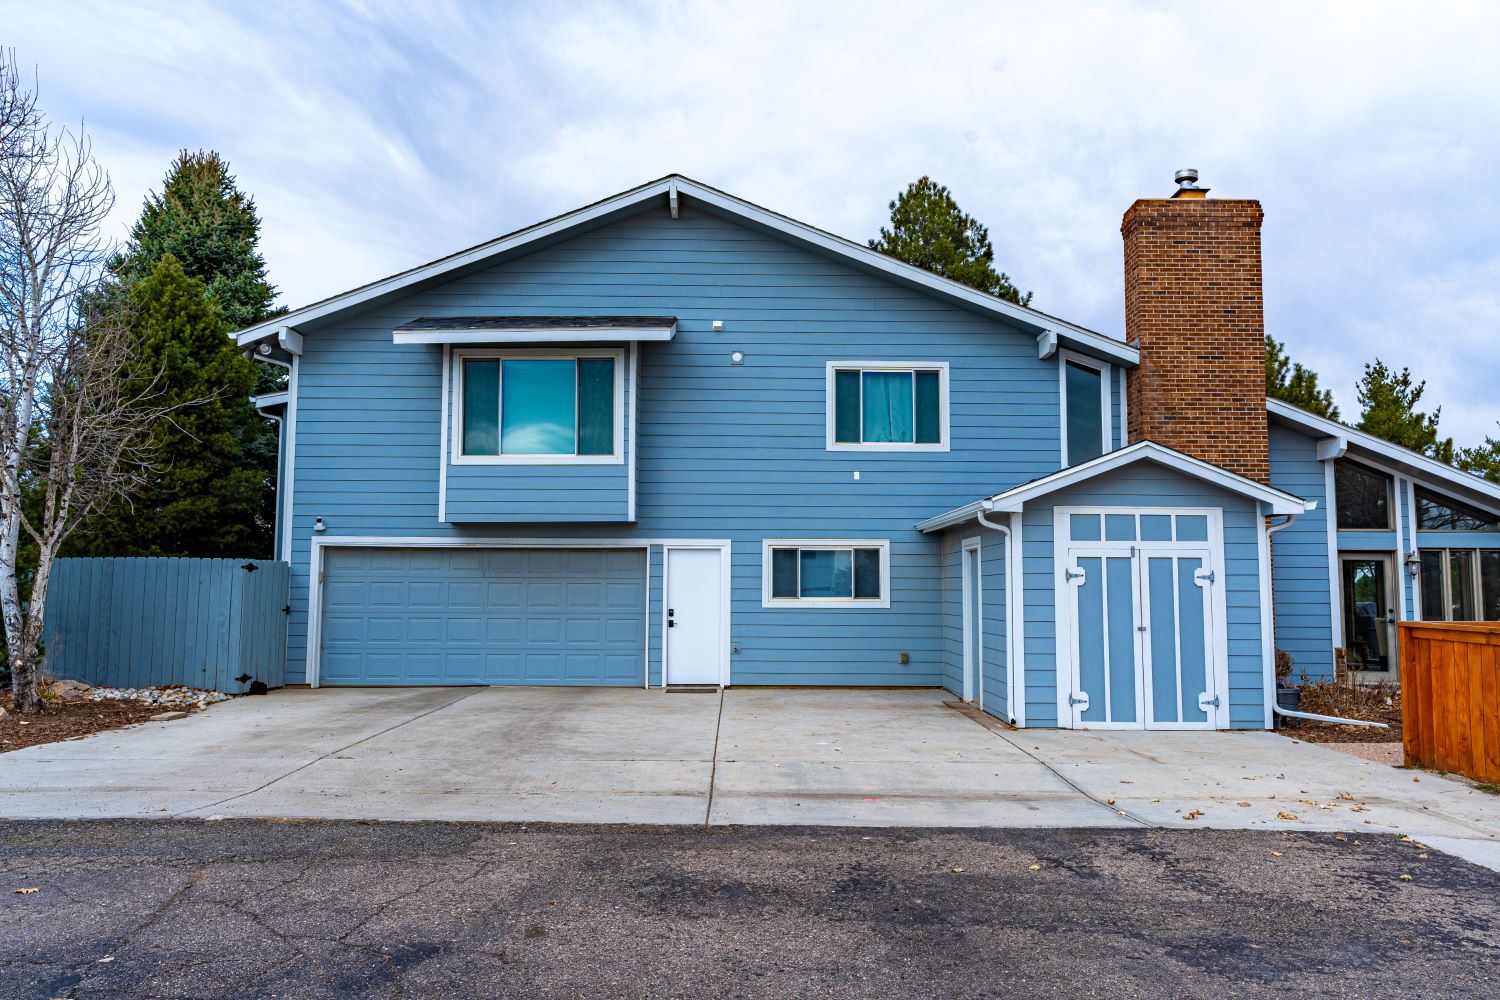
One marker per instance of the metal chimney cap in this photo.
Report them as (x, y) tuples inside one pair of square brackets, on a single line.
[(1186, 177)]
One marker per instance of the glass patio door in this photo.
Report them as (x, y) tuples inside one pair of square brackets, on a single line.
[(1369, 613)]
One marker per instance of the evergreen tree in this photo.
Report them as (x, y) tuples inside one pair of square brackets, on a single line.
[(928, 229), (203, 219), (1483, 460), (205, 499), (1388, 402), (1292, 383)]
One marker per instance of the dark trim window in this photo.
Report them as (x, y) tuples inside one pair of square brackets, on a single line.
[(1460, 585), (826, 572), (1085, 407), (1439, 513), (887, 406), (1364, 497)]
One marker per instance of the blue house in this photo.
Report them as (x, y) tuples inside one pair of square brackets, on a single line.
[(674, 438)]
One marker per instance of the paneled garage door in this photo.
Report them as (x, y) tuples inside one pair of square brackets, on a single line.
[(483, 616)]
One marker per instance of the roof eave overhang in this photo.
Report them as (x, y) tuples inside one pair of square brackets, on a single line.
[(1272, 500), (670, 190), (537, 335), (1335, 440)]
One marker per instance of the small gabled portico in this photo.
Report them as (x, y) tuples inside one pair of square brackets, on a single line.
[(1136, 594)]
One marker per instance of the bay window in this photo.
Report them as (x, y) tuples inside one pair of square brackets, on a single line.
[(537, 407)]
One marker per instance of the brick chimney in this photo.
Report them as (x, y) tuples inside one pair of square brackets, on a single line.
[(1193, 307)]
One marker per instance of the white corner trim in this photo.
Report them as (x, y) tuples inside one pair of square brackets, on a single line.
[(633, 441), (442, 504), (1015, 626), (1399, 485), (1335, 584), (1267, 620), (1416, 581), (454, 416), (830, 415), (883, 544)]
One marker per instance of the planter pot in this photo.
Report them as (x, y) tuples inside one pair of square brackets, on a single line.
[(1289, 698)]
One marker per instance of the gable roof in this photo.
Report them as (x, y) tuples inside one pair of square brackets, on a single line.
[(1341, 437), (670, 191), (1014, 499)]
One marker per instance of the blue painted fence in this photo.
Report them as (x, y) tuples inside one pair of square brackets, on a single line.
[(205, 623)]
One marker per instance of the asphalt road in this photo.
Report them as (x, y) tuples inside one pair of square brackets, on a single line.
[(231, 909)]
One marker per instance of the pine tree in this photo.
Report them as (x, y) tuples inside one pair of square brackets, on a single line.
[(1292, 383), (1388, 402), (205, 500), (929, 230), (203, 219), (1483, 460)]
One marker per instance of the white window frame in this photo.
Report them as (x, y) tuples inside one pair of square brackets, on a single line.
[(1106, 411), (1392, 498), (456, 360), (825, 544), (830, 397)]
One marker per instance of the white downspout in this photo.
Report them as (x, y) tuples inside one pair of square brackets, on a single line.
[(1010, 626)]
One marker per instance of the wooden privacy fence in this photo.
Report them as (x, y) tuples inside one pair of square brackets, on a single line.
[(204, 623), (1450, 697)]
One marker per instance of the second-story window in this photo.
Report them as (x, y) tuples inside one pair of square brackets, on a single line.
[(543, 407), (887, 406), (1084, 395), (1363, 497)]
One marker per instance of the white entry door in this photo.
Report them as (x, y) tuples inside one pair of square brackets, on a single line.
[(694, 616)]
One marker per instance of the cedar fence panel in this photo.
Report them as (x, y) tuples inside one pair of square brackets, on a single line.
[(1450, 697), (142, 622)]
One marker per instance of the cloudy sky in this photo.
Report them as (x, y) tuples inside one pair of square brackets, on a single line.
[(376, 136)]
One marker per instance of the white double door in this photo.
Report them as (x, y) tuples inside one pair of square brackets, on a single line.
[(1142, 626)]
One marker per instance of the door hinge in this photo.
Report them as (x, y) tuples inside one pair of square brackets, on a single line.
[(1079, 700), (1069, 575), (1202, 576), (1205, 702)]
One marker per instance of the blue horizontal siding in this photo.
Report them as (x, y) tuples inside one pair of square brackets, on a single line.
[(1303, 600), (725, 451)]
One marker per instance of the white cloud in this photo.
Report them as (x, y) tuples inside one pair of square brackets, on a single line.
[(376, 136)]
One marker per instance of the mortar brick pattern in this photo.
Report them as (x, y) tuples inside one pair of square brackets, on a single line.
[(1193, 305)]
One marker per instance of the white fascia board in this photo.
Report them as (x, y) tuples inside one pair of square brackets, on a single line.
[(551, 335), (1414, 462)]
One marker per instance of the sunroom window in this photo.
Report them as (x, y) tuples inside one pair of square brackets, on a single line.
[(800, 572), (1460, 585), (1438, 513), (888, 407), (551, 408), (1364, 497)]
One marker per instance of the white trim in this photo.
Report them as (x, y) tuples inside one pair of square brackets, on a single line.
[(1416, 581), (633, 443), (830, 415), (1124, 408), (883, 544), (522, 335), (270, 399), (292, 384), (1015, 624), (455, 413), (1335, 583), (1106, 411), (1046, 344), (1014, 499), (862, 255), (1419, 464), (320, 543), (289, 340), (1267, 613), (443, 437), (646, 620), (1330, 448), (1396, 504), (973, 658), (724, 549)]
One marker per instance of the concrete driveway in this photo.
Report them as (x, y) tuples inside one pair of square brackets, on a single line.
[(748, 756)]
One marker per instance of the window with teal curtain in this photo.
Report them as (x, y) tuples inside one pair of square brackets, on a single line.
[(887, 406), (537, 403), (1085, 416), (481, 408), (929, 418), (596, 406)]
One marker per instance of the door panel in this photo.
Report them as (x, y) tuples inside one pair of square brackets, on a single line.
[(1177, 626), (694, 616), (1105, 616), (482, 616), (1368, 612)]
